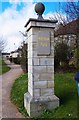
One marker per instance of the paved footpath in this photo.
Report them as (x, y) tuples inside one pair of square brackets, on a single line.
[(8, 109)]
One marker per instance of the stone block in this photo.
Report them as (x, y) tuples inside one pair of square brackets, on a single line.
[(43, 24), (40, 84), (36, 93), (47, 92), (29, 33), (50, 69), (30, 54), (30, 69), (34, 54), (35, 31), (39, 69), (52, 42), (30, 83), (30, 80), (45, 76), (35, 61), (45, 29), (30, 61), (46, 61), (53, 102), (34, 37), (30, 90), (28, 39), (29, 46), (52, 33), (53, 76), (50, 84), (36, 76), (52, 53), (52, 48), (30, 76), (35, 107), (32, 23), (34, 46)]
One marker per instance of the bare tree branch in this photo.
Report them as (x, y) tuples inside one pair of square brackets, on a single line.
[(2, 44)]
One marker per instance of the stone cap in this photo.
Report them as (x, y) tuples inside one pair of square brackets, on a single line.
[(45, 21)]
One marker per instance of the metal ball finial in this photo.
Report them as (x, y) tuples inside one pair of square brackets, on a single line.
[(39, 9)]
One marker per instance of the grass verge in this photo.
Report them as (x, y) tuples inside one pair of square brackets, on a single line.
[(65, 89), (20, 87), (3, 67)]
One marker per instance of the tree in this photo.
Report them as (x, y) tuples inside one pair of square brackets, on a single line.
[(62, 54), (23, 58), (76, 57), (72, 11), (2, 44)]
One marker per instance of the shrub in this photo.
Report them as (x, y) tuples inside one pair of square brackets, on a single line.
[(16, 60), (23, 58), (62, 55)]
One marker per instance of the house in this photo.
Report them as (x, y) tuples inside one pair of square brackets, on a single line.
[(6, 55), (16, 53), (68, 33)]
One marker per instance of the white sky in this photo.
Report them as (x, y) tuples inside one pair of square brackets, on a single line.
[(13, 21)]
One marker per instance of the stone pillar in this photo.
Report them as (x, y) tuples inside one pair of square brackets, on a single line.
[(40, 95)]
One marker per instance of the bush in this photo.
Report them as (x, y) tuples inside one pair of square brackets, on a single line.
[(62, 55), (23, 58), (16, 60), (76, 58)]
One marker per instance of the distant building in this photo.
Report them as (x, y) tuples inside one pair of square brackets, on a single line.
[(6, 55), (13, 54), (68, 33), (16, 53)]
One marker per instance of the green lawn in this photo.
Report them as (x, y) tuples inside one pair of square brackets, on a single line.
[(17, 93), (65, 89), (3, 67)]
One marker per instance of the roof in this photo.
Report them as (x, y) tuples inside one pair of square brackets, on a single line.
[(16, 50), (70, 28), (5, 53)]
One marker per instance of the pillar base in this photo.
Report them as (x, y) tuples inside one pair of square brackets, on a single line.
[(35, 106)]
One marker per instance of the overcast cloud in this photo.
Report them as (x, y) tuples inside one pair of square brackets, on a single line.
[(13, 21)]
